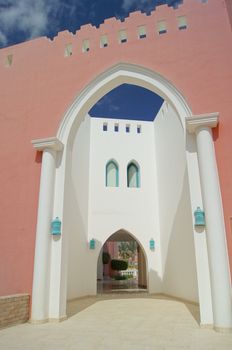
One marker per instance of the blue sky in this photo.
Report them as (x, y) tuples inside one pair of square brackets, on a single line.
[(22, 20)]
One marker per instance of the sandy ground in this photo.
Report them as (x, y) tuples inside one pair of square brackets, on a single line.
[(120, 321)]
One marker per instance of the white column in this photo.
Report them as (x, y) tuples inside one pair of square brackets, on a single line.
[(41, 276), (215, 228)]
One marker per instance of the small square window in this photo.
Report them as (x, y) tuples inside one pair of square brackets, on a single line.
[(68, 50), (182, 22), (9, 60), (138, 129), (116, 127), (127, 128), (85, 45), (105, 127), (122, 36), (162, 27), (103, 41), (142, 32)]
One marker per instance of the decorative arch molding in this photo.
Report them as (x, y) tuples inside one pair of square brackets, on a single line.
[(117, 75)]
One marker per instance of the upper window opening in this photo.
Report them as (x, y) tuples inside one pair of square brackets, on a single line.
[(138, 129), (112, 178), (116, 127), (103, 41), (128, 128), (105, 127), (182, 22), (142, 32), (162, 27), (122, 36), (133, 176), (68, 50), (85, 45)]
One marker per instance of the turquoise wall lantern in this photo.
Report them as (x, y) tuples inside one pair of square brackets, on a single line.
[(199, 215), (152, 244), (92, 244), (56, 227)]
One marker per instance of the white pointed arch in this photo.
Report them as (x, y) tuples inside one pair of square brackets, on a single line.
[(110, 79), (122, 235), (97, 88)]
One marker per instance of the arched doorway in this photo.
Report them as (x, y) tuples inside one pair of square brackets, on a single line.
[(121, 246), (57, 256)]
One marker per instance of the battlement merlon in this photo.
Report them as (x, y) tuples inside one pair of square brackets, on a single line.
[(191, 9)]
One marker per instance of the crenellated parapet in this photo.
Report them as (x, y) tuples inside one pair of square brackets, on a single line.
[(162, 23)]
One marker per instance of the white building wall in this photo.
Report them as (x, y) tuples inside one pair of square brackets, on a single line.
[(159, 209), (132, 209), (176, 230)]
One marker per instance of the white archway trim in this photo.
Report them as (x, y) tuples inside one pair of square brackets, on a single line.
[(113, 77)]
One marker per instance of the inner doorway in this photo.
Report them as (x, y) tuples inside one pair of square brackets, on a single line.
[(121, 265)]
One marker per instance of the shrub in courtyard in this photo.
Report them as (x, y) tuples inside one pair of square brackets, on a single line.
[(119, 265), (120, 278)]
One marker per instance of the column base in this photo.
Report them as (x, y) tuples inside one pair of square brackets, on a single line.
[(223, 329), (207, 326), (38, 321), (57, 320), (50, 320)]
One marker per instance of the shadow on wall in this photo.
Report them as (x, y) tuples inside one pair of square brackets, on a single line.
[(75, 225), (179, 278), (155, 283)]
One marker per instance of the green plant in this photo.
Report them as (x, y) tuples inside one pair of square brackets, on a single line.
[(120, 278), (119, 265), (105, 258)]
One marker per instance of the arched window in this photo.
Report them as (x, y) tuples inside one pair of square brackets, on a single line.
[(133, 178), (111, 174)]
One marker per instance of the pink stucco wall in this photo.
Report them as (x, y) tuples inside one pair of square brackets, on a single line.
[(41, 84)]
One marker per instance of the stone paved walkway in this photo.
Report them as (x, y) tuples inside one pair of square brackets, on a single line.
[(119, 322)]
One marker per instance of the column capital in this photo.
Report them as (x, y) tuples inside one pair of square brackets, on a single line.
[(209, 120), (52, 143)]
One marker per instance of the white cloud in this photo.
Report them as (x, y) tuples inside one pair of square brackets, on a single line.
[(3, 39), (30, 17), (145, 5), (109, 101)]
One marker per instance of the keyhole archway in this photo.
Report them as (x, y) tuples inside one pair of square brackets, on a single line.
[(122, 245)]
